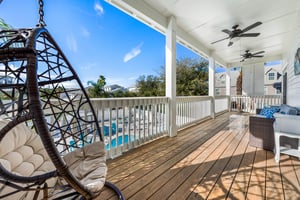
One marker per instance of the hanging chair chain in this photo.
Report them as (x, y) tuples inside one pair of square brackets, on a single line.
[(41, 14)]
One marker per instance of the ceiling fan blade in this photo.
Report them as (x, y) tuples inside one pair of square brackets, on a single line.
[(258, 56), (227, 31), (258, 53), (251, 26), (249, 35), (220, 40)]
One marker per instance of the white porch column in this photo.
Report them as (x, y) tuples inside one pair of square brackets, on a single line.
[(211, 83), (228, 87), (171, 74), (228, 82)]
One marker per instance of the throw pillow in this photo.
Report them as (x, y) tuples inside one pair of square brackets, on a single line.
[(269, 111)]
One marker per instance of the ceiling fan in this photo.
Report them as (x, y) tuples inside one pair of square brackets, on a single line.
[(248, 55), (236, 32)]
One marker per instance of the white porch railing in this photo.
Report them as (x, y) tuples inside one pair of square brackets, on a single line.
[(222, 104), (190, 110), (130, 122), (251, 103)]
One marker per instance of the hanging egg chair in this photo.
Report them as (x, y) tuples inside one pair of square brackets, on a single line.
[(50, 141)]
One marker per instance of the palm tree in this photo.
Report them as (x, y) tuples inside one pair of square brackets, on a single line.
[(239, 89), (239, 84), (97, 89), (3, 25)]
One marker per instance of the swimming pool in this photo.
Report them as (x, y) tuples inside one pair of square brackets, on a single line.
[(113, 129), (120, 141)]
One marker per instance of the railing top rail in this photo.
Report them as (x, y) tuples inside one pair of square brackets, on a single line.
[(193, 98), (128, 98), (127, 101), (222, 97), (259, 96)]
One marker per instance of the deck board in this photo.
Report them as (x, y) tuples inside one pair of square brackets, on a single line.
[(211, 160)]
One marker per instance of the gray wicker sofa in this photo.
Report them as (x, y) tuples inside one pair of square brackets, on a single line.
[(262, 131)]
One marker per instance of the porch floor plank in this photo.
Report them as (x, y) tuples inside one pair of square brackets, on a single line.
[(210, 160)]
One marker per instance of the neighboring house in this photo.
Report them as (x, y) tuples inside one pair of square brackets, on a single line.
[(273, 79), (220, 84), (132, 89), (114, 88)]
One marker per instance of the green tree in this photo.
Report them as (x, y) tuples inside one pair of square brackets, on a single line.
[(191, 75), (97, 89), (51, 92), (150, 86), (3, 25), (126, 93)]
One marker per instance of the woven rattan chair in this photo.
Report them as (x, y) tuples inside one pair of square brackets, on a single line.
[(50, 142)]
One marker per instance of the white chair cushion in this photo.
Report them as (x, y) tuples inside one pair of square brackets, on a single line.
[(22, 153), (88, 165), (287, 123)]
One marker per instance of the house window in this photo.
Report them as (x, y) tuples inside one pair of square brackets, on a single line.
[(278, 90), (271, 76)]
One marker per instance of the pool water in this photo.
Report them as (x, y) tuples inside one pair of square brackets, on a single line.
[(113, 129), (120, 141)]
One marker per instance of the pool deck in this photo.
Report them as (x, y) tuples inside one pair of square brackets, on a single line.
[(211, 160)]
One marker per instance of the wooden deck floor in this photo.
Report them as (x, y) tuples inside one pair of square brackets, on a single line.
[(211, 160)]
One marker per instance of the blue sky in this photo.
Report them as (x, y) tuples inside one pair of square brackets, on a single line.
[(97, 38)]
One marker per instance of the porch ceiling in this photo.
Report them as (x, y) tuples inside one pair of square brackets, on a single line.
[(200, 22)]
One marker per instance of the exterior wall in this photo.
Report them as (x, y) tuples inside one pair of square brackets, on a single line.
[(253, 79), (220, 83), (293, 81), (276, 71)]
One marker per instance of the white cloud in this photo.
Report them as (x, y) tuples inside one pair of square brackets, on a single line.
[(85, 32), (87, 66), (98, 8), (133, 78), (72, 43), (133, 53)]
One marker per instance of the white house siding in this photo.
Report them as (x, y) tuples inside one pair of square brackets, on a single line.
[(293, 82), (253, 79)]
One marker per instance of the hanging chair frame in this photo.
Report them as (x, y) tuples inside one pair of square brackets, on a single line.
[(36, 91)]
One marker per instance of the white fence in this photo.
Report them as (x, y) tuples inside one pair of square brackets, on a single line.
[(251, 103)]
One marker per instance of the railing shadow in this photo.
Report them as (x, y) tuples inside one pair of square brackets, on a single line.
[(249, 179)]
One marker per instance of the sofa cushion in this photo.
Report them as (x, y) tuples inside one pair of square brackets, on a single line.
[(287, 123), (289, 110)]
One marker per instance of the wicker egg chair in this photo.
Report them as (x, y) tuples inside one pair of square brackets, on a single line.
[(50, 141)]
